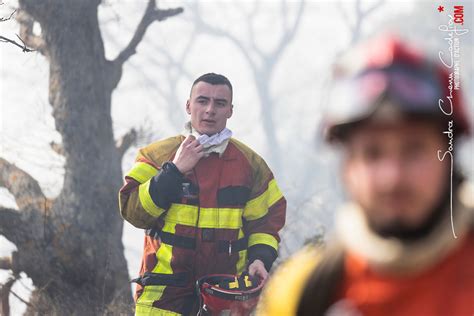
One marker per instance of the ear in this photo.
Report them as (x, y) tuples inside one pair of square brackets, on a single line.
[(344, 170), (347, 172), (231, 111), (188, 109)]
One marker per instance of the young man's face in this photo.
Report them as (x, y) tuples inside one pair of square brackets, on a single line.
[(394, 173), (209, 106)]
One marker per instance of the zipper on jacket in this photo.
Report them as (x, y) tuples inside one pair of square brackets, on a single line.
[(196, 227)]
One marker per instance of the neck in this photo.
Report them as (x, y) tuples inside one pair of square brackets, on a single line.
[(437, 214), (194, 130), (404, 256)]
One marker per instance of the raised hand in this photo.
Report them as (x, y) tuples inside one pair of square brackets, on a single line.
[(188, 154)]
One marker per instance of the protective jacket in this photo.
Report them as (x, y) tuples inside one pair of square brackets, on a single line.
[(363, 274), (218, 218)]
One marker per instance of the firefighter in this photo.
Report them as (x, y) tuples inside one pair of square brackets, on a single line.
[(209, 204), (404, 243)]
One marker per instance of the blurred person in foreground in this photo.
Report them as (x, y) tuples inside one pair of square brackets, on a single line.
[(209, 204), (395, 249)]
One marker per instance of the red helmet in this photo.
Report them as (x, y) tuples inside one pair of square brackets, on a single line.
[(389, 70), (228, 293)]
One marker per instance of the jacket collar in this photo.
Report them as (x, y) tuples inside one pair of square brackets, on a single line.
[(392, 256), (216, 143)]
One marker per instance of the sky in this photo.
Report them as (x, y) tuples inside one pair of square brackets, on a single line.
[(156, 82)]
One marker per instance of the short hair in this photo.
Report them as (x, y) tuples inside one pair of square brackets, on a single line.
[(214, 79)]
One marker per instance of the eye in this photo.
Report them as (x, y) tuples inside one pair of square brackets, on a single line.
[(220, 104), (372, 153), (202, 101), (414, 150)]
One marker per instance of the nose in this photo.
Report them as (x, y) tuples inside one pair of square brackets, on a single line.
[(390, 174), (211, 107)]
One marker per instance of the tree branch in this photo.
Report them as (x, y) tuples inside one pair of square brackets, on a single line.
[(24, 187), (26, 32), (250, 18), (374, 7), (10, 224), (289, 33), (22, 46), (8, 217), (5, 294), (345, 16), (151, 14), (10, 263), (114, 68), (360, 16), (21, 299), (57, 148), (212, 30), (6, 19), (6, 263), (126, 141)]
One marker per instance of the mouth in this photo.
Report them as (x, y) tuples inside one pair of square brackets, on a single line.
[(208, 121), (397, 202)]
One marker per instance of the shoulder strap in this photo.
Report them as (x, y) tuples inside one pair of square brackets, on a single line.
[(321, 287)]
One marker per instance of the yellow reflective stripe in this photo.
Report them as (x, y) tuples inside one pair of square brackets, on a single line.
[(152, 293), (141, 310), (165, 252), (262, 238), (146, 200), (242, 256), (142, 172), (208, 217), (258, 207)]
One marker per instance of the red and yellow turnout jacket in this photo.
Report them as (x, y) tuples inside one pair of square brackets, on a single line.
[(218, 218)]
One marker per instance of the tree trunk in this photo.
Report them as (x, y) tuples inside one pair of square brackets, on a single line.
[(82, 267), (72, 247)]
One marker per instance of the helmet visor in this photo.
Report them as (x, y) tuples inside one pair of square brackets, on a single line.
[(357, 98)]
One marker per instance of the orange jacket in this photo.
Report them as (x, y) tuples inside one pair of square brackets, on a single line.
[(437, 280), (445, 289), (217, 219)]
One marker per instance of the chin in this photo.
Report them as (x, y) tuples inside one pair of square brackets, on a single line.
[(401, 227), (208, 132), (202, 130)]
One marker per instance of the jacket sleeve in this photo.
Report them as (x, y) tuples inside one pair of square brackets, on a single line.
[(148, 191), (264, 215), (285, 287)]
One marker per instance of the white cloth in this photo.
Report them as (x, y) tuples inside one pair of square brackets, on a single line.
[(392, 256), (216, 143)]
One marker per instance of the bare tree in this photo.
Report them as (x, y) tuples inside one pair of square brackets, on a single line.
[(262, 62), (354, 17), (361, 14), (5, 39), (175, 70), (71, 246), (173, 65)]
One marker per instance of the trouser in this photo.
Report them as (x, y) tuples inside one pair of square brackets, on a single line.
[(173, 292), (166, 294)]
